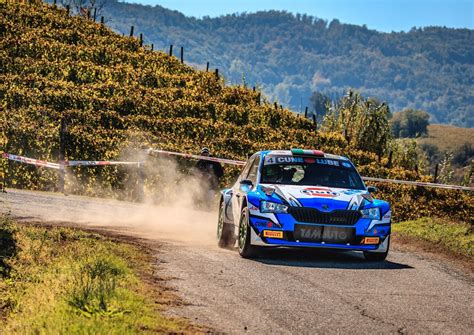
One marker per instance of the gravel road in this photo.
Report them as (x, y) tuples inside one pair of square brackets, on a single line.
[(282, 292)]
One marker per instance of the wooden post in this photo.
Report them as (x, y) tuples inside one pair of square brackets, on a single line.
[(436, 173), (62, 154), (258, 98), (314, 120), (207, 67), (182, 55), (171, 50), (102, 20), (141, 39), (67, 10), (95, 14), (54, 2), (253, 89), (131, 31), (390, 156), (306, 112), (217, 73), (152, 47), (275, 105)]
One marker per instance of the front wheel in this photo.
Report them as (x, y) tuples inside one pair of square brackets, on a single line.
[(246, 249), (380, 256), (225, 232)]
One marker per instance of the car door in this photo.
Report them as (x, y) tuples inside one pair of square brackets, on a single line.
[(235, 200), (240, 191)]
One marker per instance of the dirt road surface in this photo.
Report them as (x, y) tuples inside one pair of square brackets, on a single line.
[(282, 292)]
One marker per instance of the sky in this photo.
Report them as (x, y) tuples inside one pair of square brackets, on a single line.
[(382, 15)]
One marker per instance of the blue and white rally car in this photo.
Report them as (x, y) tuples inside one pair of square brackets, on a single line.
[(303, 198)]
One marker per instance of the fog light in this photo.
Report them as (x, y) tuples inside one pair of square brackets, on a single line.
[(371, 240)]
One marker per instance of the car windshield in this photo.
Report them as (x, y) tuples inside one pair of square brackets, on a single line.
[(309, 171)]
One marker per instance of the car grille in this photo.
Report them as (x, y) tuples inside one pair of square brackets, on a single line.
[(336, 217)]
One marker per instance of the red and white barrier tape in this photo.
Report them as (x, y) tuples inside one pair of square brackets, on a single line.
[(31, 161), (59, 165), (41, 163), (382, 180), (207, 158)]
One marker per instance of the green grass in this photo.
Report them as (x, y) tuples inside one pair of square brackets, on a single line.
[(65, 281), (454, 237)]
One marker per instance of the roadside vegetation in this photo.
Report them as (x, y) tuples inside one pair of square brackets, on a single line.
[(57, 280), (454, 237)]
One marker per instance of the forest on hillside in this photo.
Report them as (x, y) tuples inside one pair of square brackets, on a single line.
[(292, 56)]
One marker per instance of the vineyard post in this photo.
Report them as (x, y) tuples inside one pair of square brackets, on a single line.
[(62, 154), (436, 173), (102, 20), (67, 10), (54, 2), (171, 50), (314, 120), (152, 47), (258, 98), (275, 105), (3, 162), (95, 14), (306, 112), (207, 67), (141, 39), (217, 73), (390, 156), (182, 55), (131, 31)]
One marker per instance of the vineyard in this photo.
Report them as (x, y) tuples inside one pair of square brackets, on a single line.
[(117, 96)]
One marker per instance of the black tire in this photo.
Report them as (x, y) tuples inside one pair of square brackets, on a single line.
[(225, 231), (377, 256), (246, 250)]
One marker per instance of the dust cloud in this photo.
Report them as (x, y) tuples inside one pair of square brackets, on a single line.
[(177, 206)]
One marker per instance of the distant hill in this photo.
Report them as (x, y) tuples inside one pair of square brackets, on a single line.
[(291, 56)]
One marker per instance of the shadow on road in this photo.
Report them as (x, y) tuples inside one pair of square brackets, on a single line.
[(316, 258)]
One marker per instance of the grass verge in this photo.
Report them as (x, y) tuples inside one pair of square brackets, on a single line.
[(455, 237), (57, 280)]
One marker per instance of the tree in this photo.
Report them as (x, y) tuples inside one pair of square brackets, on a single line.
[(363, 122), (410, 123)]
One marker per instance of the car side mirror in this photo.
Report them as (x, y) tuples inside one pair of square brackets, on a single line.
[(246, 185), (372, 189)]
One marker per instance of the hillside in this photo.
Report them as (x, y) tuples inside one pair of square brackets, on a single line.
[(448, 138), (292, 56), (116, 96)]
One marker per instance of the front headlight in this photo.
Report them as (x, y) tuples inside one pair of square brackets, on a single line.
[(272, 207), (371, 213)]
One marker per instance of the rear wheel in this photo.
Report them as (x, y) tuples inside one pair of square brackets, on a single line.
[(372, 256), (246, 249), (225, 232)]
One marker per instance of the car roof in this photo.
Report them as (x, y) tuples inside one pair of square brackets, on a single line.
[(264, 153)]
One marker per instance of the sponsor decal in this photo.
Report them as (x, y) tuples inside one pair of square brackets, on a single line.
[(267, 224), (323, 192), (253, 208), (310, 160), (272, 234), (325, 161), (346, 164), (269, 160), (387, 215)]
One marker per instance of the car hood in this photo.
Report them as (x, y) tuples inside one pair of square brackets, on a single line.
[(321, 197)]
